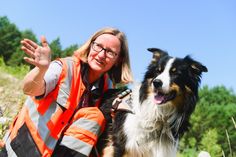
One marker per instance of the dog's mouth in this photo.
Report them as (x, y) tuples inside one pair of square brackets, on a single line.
[(161, 97)]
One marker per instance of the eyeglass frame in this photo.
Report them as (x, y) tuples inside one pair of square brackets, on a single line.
[(109, 53)]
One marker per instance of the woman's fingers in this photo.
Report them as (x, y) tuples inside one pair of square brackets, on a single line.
[(29, 47), (29, 43), (30, 61), (28, 51), (44, 41)]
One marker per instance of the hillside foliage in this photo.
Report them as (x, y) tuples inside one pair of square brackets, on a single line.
[(211, 119)]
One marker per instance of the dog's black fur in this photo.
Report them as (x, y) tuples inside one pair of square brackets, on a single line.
[(110, 132)]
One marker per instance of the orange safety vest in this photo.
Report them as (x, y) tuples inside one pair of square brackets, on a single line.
[(38, 127)]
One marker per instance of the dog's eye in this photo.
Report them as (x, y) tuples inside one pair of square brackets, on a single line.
[(158, 69), (173, 70)]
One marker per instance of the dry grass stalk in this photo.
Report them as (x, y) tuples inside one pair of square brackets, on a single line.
[(230, 149)]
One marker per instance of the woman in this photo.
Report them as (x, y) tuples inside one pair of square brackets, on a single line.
[(62, 108)]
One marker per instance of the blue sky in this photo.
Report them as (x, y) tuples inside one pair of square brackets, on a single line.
[(205, 29)]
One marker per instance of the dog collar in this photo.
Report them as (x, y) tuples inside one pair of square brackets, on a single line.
[(123, 102)]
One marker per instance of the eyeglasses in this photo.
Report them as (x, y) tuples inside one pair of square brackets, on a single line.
[(98, 48)]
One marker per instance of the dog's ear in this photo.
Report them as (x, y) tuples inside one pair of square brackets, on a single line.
[(157, 53), (195, 67)]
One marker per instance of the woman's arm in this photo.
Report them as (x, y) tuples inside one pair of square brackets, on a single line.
[(40, 56), (33, 82)]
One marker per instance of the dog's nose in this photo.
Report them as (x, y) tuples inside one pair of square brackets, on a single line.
[(157, 83)]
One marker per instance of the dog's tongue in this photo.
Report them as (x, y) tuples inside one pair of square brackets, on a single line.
[(159, 99)]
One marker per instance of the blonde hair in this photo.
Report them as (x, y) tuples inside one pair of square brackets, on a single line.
[(120, 73)]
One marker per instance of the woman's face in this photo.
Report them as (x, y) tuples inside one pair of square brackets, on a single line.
[(104, 53)]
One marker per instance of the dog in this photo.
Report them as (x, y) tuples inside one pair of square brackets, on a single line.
[(161, 108)]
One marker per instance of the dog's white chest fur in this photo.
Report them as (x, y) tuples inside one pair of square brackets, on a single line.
[(147, 142), (147, 135)]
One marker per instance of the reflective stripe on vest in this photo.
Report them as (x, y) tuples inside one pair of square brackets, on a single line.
[(84, 131), (40, 122), (10, 152)]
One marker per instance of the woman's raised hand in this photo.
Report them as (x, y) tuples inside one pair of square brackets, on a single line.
[(39, 56)]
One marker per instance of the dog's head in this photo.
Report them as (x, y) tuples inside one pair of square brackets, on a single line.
[(172, 81)]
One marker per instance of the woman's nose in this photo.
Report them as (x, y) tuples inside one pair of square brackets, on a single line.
[(102, 54)]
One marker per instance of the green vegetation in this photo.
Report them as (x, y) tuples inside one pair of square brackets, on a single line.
[(211, 119), (213, 122), (17, 71), (10, 48)]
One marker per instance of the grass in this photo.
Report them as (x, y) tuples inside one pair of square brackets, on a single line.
[(16, 71), (11, 97)]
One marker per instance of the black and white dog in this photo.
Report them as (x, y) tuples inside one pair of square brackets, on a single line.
[(162, 106)]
